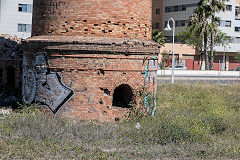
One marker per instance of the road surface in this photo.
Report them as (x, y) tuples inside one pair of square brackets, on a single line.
[(224, 77)]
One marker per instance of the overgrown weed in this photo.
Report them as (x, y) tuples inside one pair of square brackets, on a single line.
[(192, 122)]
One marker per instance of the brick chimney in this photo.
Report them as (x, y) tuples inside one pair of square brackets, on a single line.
[(88, 59)]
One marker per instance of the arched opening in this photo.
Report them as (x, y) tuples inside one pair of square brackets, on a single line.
[(11, 78), (122, 96)]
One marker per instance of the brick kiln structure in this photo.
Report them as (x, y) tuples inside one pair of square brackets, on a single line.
[(88, 59)]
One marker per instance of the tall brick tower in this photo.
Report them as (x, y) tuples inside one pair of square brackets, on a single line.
[(88, 59)]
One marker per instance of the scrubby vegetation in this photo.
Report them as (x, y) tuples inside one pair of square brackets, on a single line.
[(197, 121)]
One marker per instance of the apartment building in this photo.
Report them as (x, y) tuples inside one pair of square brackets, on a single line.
[(16, 17), (157, 12), (230, 24), (181, 10)]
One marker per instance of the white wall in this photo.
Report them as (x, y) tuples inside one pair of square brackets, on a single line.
[(10, 17), (230, 31)]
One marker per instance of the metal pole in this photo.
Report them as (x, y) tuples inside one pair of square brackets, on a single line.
[(173, 58), (224, 57), (168, 28), (219, 68)]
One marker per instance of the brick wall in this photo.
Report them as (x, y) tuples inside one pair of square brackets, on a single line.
[(95, 74), (94, 80), (90, 58), (157, 18), (115, 18)]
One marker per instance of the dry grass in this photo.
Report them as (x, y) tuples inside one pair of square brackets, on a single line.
[(197, 121)]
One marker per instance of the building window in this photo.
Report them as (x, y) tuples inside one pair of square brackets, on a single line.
[(157, 25), (158, 11), (237, 11), (175, 8), (228, 7), (22, 7), (184, 7), (228, 24), (168, 9), (225, 23), (179, 7), (24, 28), (25, 8), (179, 23), (237, 29)]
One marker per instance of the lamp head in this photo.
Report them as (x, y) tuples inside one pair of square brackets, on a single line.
[(168, 28)]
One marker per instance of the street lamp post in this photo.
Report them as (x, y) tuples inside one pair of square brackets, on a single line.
[(224, 57), (168, 28)]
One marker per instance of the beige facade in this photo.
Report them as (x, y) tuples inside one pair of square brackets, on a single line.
[(181, 51), (238, 2), (188, 56)]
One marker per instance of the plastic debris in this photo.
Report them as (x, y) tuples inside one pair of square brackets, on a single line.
[(138, 125)]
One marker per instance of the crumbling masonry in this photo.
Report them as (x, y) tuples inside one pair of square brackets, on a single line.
[(88, 59), (10, 70)]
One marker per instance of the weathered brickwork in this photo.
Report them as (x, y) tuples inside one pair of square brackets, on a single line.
[(115, 18), (10, 70), (89, 59), (157, 10), (95, 75), (10, 61)]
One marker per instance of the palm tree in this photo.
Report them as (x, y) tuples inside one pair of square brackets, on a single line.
[(205, 23), (198, 23), (215, 6)]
